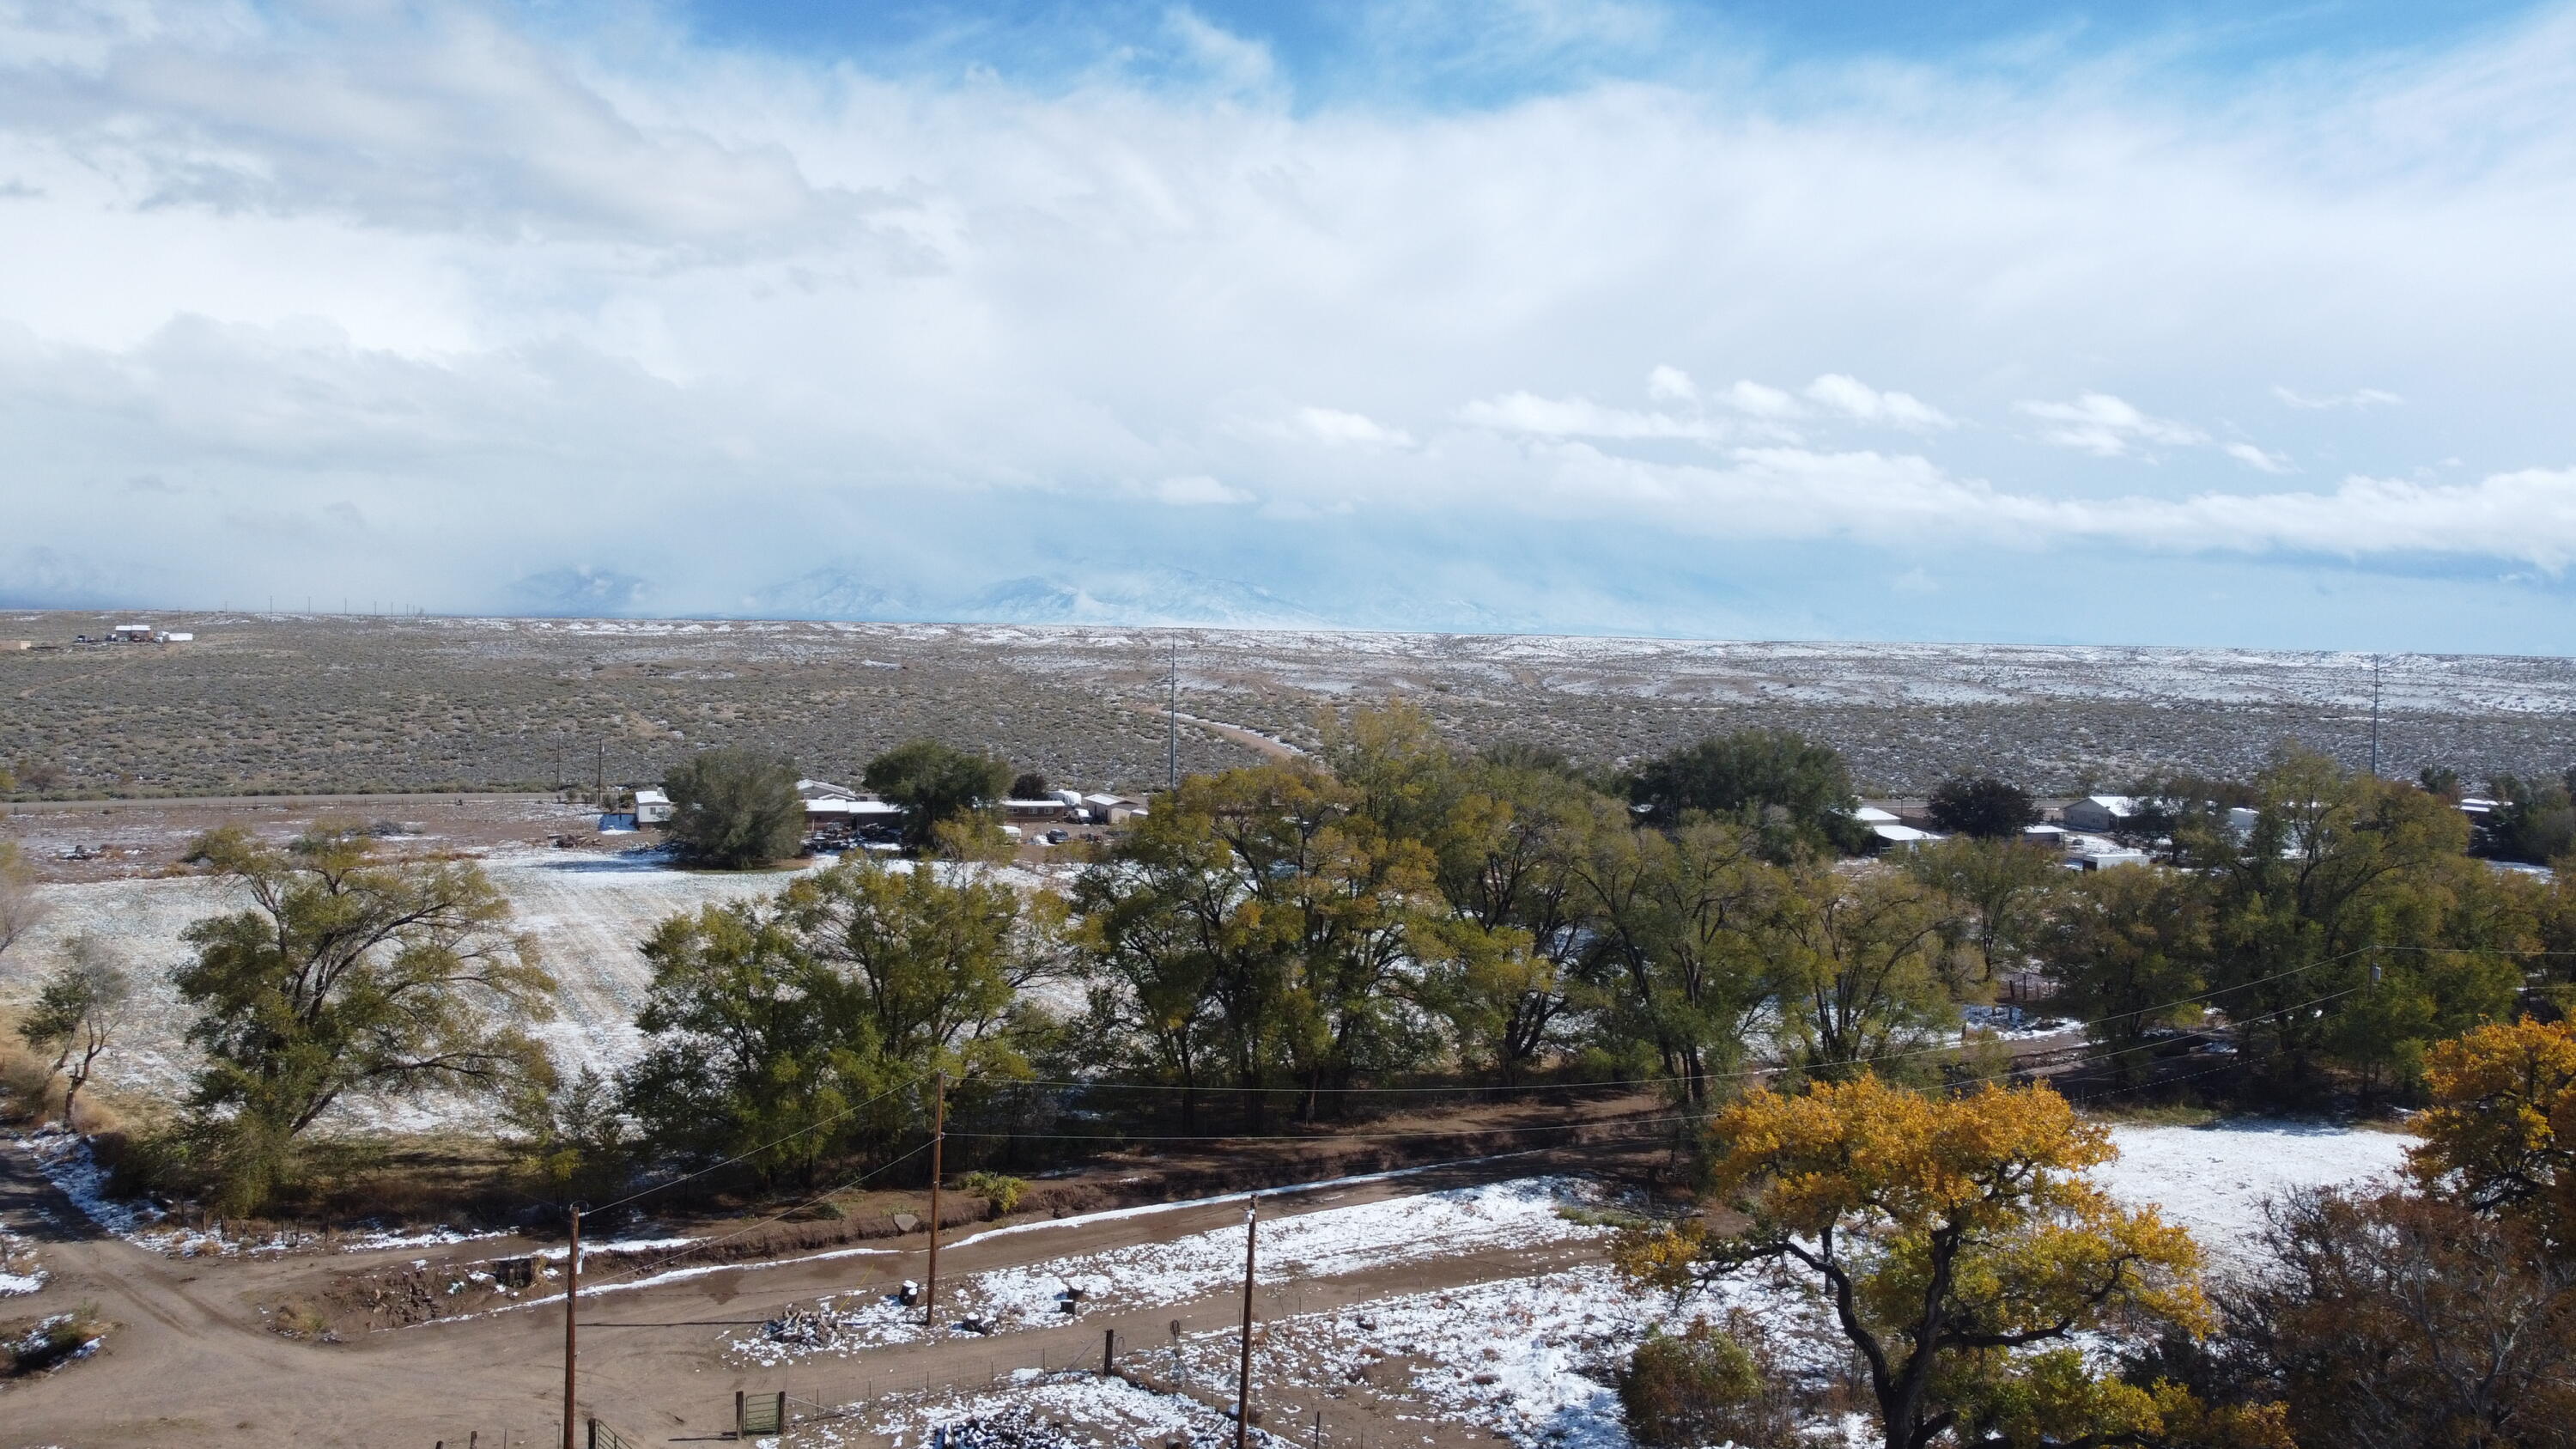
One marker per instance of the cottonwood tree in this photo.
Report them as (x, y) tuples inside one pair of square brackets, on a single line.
[(747, 1051), (783, 1028), (734, 808), (2500, 1136), (77, 1013), (2127, 949), (1964, 1256), (1685, 930), (2005, 884), (1797, 791), (2344, 879), (1862, 965), (348, 976), (936, 783)]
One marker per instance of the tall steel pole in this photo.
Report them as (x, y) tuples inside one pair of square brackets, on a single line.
[(572, 1301), (1243, 1372), (938, 1136), (1172, 720)]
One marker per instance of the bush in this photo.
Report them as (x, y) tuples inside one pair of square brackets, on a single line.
[(735, 808), (1002, 1191), (1701, 1387)]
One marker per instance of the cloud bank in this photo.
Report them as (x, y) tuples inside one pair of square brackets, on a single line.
[(443, 305)]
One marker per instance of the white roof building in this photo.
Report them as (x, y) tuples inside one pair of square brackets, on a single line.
[(2100, 812)]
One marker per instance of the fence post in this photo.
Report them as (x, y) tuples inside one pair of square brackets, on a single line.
[(1108, 1352), (737, 1413)]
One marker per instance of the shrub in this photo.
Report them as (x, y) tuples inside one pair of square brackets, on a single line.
[(1701, 1386), (1002, 1191)]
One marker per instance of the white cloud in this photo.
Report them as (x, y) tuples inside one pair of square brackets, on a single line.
[(1755, 400), (1671, 384), (2257, 459), (1855, 399), (2364, 398), (1331, 425), (1196, 491), (1574, 417), (2106, 426)]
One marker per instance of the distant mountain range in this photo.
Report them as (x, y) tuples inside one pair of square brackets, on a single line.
[(1143, 598)]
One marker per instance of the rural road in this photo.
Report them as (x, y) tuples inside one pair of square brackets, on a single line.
[(190, 1362)]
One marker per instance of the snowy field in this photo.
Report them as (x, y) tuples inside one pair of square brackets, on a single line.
[(589, 914), (2214, 1180)]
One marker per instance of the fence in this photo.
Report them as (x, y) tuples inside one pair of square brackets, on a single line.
[(1309, 1428)]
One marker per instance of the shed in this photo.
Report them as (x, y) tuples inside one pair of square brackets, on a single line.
[(652, 807), (2100, 812)]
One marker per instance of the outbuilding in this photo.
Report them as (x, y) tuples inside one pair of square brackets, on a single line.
[(2101, 812)]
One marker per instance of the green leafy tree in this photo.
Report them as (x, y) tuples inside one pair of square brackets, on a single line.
[(1159, 924), (1982, 806), (735, 808), (1861, 965), (785, 1028), (2127, 949), (2354, 894), (2005, 884), (748, 1052), (935, 783), (1685, 936), (77, 1014), (348, 976), (1797, 791), (1030, 785)]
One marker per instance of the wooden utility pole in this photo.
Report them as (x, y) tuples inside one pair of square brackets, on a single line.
[(572, 1303), (1243, 1373), (599, 773), (938, 1136)]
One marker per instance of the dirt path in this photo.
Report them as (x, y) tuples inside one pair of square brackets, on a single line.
[(190, 1361), (1260, 744)]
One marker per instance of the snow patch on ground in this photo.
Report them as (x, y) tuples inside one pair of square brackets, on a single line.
[(2215, 1179), (1334, 1242)]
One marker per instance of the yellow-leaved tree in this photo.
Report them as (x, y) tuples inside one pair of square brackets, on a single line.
[(2501, 1133), (1963, 1253)]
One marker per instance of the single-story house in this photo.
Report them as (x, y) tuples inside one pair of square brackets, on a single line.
[(1872, 815), (2100, 812), (2051, 836), (2105, 859), (1047, 809), (1900, 837)]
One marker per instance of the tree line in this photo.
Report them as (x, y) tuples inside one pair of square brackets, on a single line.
[(1395, 910)]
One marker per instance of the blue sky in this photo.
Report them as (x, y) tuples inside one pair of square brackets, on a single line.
[(2192, 323)]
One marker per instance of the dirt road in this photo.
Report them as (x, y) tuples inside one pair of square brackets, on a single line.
[(192, 1362)]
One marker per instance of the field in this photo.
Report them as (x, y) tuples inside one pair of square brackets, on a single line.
[(303, 703)]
